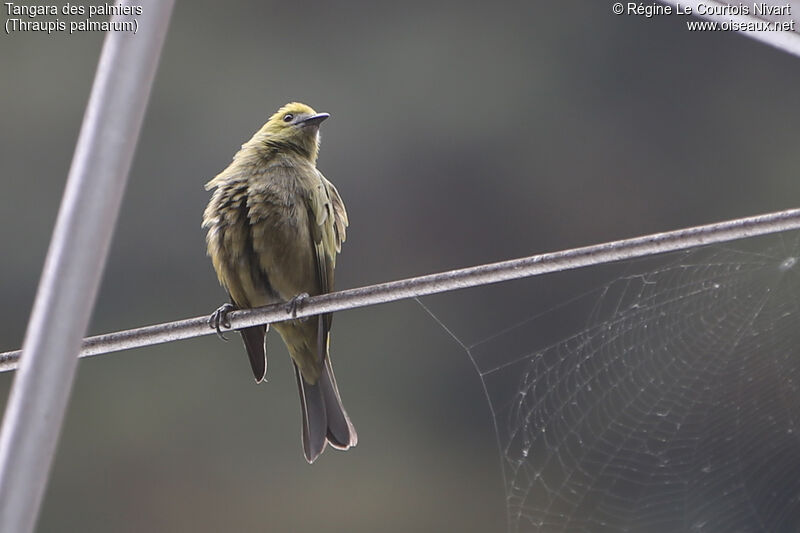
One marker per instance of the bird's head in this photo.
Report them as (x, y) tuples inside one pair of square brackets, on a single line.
[(297, 125)]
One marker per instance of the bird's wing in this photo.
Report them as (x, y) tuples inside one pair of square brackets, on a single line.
[(327, 220), (340, 221), (253, 338), (320, 217)]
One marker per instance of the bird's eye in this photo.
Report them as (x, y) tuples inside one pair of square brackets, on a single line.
[(288, 117)]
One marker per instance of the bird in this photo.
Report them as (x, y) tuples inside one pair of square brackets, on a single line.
[(274, 227)]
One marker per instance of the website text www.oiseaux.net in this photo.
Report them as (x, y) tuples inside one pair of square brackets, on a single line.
[(756, 9), (737, 25)]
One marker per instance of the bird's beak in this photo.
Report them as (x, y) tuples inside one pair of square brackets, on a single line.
[(314, 120)]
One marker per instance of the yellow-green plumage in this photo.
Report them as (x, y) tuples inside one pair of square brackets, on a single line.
[(275, 225)]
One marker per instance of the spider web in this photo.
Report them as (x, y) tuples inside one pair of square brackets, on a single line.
[(675, 408)]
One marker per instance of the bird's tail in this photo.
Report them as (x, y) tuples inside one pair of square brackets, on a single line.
[(324, 418)]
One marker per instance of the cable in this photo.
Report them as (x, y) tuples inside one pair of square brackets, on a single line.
[(446, 281)]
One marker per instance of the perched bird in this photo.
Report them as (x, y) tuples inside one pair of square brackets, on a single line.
[(275, 225)]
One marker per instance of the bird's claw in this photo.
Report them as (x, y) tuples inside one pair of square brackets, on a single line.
[(293, 305), (220, 318)]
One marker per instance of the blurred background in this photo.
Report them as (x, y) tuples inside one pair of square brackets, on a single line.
[(461, 133)]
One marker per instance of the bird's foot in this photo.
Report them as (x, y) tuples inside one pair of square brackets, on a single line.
[(293, 305), (220, 318)]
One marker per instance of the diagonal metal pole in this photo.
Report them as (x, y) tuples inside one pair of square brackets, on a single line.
[(787, 41), (75, 260)]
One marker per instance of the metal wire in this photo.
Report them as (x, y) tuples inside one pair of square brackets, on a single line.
[(447, 281)]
